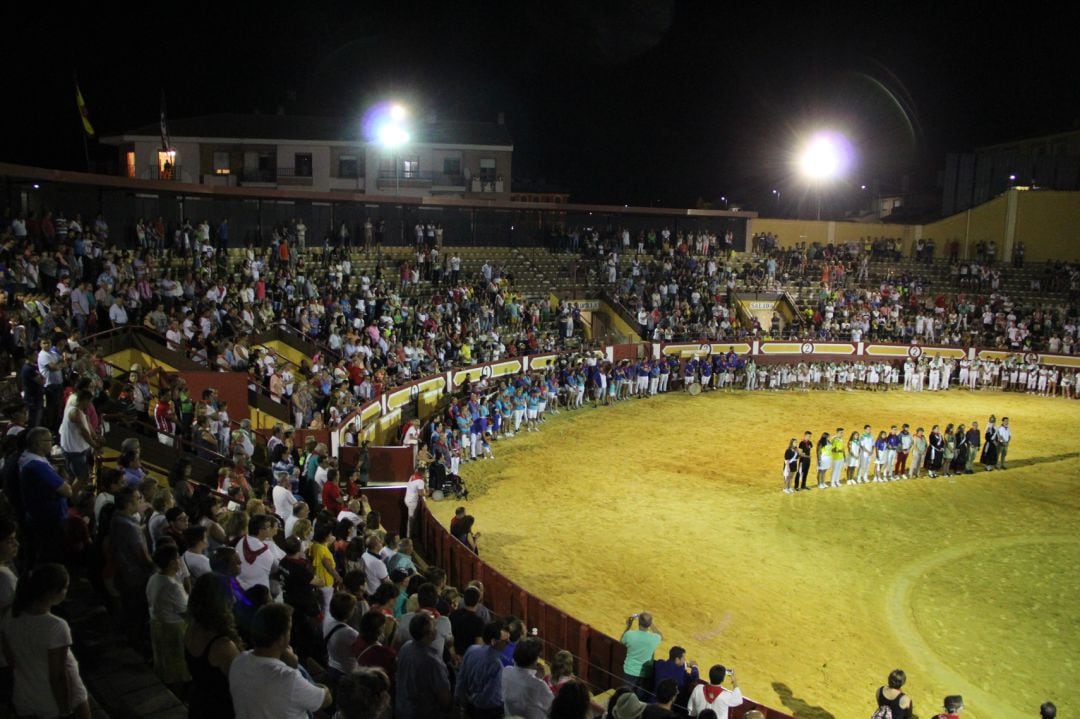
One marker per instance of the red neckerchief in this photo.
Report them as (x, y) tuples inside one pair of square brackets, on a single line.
[(712, 691), (433, 612), (250, 555)]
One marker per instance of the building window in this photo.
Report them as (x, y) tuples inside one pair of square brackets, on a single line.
[(130, 164), (347, 166), (452, 166), (410, 169), (166, 164), (221, 163), (302, 164), (487, 170)]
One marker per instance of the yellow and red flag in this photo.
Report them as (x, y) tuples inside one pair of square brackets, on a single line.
[(83, 112)]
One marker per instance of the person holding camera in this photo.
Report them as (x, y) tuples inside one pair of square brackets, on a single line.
[(714, 695), (640, 645)]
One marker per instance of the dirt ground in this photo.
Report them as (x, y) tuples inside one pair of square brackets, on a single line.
[(674, 505)]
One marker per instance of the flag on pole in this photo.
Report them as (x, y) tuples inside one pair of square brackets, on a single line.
[(83, 112), (164, 129)]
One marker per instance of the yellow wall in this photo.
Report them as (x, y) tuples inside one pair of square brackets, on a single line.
[(262, 420), (127, 357), (1048, 223), (854, 231), (290, 354), (792, 232)]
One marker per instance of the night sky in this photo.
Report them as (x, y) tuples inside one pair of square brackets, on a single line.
[(617, 102)]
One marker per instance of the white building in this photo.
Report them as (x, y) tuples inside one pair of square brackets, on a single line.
[(462, 159)]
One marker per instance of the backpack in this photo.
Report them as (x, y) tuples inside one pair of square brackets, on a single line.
[(883, 712)]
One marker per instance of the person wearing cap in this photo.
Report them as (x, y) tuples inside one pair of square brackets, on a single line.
[(954, 704), (640, 645), (525, 693), (713, 695)]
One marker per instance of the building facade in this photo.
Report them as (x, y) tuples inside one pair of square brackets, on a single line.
[(446, 159)]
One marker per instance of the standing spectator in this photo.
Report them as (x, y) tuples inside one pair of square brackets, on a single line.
[(44, 496), (369, 648), (167, 599), (479, 681), (77, 440), (133, 564), (640, 645), (37, 645), (466, 623), (677, 667), (423, 683), (666, 691), (265, 682), (524, 693), (259, 555), (953, 705), (713, 695), (891, 696)]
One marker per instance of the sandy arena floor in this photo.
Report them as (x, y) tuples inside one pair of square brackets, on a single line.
[(674, 505)]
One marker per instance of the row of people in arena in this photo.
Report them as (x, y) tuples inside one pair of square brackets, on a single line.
[(860, 458)]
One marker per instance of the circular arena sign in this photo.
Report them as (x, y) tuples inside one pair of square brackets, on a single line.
[(414, 391), (486, 371), (705, 349), (1031, 358), (808, 348), (914, 352)]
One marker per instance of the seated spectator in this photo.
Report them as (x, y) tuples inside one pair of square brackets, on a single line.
[(265, 682)]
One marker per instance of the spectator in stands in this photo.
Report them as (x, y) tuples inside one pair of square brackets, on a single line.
[(133, 564), (265, 682), (167, 600), (525, 694), (259, 556), (479, 682), (374, 566), (403, 558), (369, 648), (891, 695), (662, 708), (678, 668), (422, 682), (195, 561), (427, 599), (466, 624), (953, 705), (44, 495), (37, 646), (573, 701), (1048, 711), (714, 696), (364, 694), (339, 638), (640, 645)]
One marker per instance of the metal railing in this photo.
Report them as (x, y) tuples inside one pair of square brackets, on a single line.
[(412, 178)]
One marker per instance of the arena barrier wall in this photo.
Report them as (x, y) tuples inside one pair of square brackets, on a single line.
[(599, 657)]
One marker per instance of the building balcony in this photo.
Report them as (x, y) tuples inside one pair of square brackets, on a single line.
[(421, 180), (257, 176), (170, 174), (289, 176)]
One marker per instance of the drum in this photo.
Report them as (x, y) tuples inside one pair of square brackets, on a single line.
[(694, 388)]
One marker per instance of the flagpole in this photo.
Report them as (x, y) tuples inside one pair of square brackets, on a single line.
[(86, 150), (83, 116)]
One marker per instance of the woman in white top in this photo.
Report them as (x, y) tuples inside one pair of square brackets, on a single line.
[(37, 646), (167, 599)]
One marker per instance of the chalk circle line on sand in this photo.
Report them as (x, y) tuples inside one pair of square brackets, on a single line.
[(901, 609)]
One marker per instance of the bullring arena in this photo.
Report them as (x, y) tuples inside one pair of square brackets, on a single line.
[(674, 504)]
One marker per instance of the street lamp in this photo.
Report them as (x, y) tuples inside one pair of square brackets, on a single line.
[(777, 194)]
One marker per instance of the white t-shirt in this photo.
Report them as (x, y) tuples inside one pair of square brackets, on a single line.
[(167, 599), (283, 501), (339, 648), (197, 564), (264, 688), (257, 572), (375, 570), (414, 489), (30, 637)]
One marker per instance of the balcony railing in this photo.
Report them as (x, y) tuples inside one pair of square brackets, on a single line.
[(420, 179), (255, 174), (171, 174), (289, 176)]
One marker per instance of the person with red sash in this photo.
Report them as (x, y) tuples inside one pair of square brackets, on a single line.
[(714, 696), (954, 704)]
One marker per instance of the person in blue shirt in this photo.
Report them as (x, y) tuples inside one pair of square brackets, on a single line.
[(654, 376), (680, 670), (45, 497), (520, 405), (479, 681), (532, 405), (706, 374)]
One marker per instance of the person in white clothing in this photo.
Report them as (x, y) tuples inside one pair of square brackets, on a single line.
[(1004, 436), (259, 554), (265, 682), (714, 696), (284, 499), (415, 490), (524, 693), (167, 599)]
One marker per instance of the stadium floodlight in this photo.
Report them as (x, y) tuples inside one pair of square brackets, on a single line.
[(821, 159), (391, 133)]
